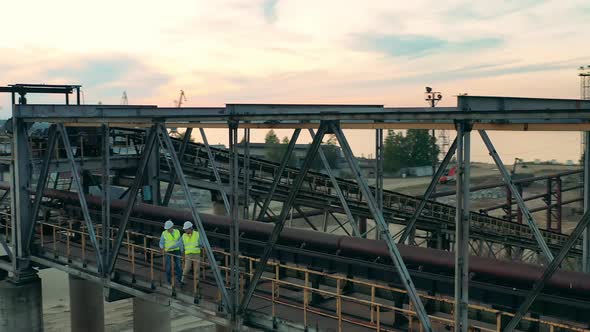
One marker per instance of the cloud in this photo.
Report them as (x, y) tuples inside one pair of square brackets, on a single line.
[(418, 45), (106, 77), (464, 73), (270, 10), (472, 10)]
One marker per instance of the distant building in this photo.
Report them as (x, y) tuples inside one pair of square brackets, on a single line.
[(417, 171), (368, 167)]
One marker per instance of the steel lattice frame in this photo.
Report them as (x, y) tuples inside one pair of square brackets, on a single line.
[(472, 113)]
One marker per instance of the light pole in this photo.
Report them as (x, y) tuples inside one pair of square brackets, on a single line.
[(433, 97)]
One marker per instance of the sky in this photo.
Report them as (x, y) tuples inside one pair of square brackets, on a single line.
[(299, 51)]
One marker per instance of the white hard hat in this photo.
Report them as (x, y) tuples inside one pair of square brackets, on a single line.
[(187, 225), (168, 224)]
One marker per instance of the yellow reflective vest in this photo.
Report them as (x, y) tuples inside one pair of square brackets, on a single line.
[(191, 243), (171, 239)]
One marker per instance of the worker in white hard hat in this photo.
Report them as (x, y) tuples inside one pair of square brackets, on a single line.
[(191, 244), (171, 249)]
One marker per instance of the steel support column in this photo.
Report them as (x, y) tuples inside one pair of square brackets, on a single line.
[(383, 228), (586, 240), (246, 169), (277, 178), (234, 231), (170, 189), (311, 153), (379, 167), (21, 214), (152, 178), (336, 186), (439, 172), (81, 197), (379, 172), (106, 195), (525, 211), (196, 218), (462, 221), (549, 271)]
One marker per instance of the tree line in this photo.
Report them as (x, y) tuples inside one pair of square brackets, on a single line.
[(415, 148), (276, 148)]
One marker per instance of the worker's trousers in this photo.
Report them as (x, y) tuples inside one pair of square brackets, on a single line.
[(173, 256), (192, 262)]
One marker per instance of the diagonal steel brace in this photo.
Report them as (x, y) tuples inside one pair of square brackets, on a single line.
[(311, 153), (181, 152), (384, 228), (133, 190), (549, 271), (281, 170), (516, 194), (41, 182), (81, 197), (439, 172), (355, 229), (196, 217)]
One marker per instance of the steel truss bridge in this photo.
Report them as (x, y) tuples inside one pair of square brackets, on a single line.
[(265, 276)]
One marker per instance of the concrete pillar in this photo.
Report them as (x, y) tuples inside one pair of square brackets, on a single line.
[(21, 305), (150, 316), (86, 305)]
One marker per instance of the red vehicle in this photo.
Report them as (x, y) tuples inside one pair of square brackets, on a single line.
[(450, 176)]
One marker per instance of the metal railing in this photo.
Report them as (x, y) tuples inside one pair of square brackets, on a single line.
[(67, 238)]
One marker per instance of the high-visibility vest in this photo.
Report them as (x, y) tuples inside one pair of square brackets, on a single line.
[(191, 243), (171, 239)]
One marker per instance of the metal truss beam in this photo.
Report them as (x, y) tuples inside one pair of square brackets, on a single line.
[(516, 194), (340, 225), (305, 217), (384, 229), (181, 152), (81, 197), (279, 225), (196, 218), (336, 186), (280, 171), (439, 172), (42, 182), (133, 191), (549, 271), (215, 170), (462, 222)]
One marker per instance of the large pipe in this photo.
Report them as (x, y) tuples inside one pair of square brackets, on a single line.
[(347, 246)]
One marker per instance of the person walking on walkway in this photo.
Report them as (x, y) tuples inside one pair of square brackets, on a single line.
[(192, 250), (171, 248)]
